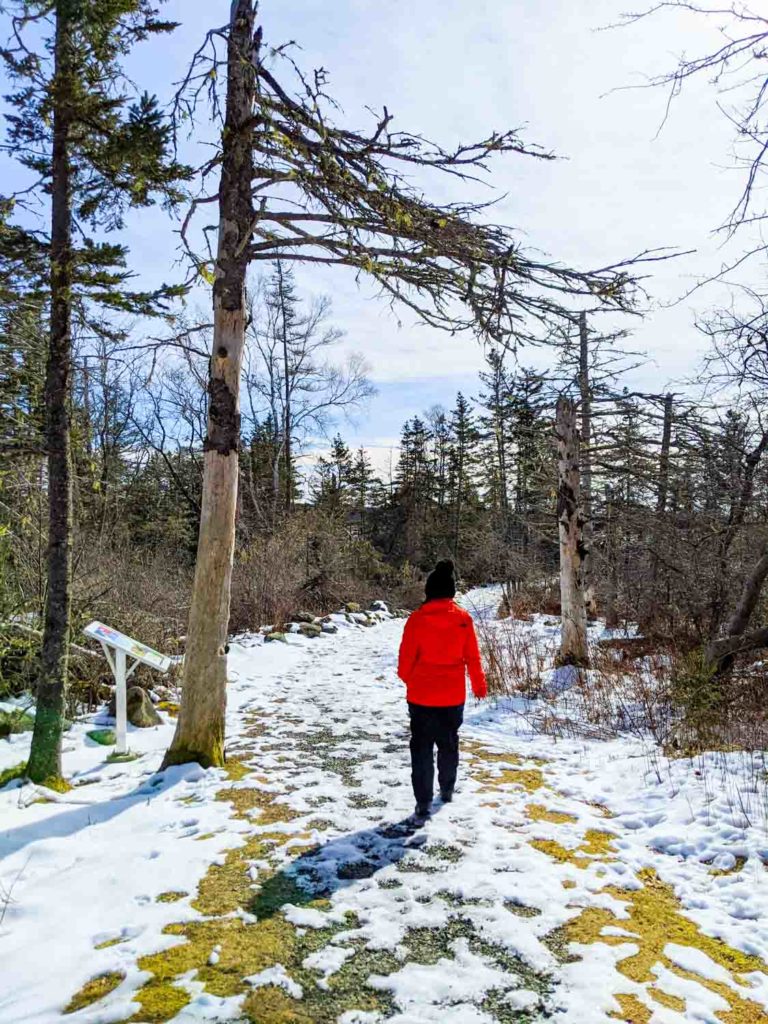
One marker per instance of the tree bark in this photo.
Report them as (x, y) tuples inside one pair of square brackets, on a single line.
[(721, 653), (573, 644), (586, 466), (666, 441), (45, 755), (199, 732), (287, 417), (612, 554)]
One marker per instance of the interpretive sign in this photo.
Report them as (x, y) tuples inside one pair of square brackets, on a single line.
[(117, 649)]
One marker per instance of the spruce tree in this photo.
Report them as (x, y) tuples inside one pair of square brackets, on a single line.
[(367, 491), (464, 459), (95, 148), (334, 479)]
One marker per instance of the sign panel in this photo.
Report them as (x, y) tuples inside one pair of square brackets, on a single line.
[(134, 649)]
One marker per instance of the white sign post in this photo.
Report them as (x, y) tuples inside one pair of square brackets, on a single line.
[(117, 649)]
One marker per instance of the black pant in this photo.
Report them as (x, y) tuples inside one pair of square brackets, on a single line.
[(430, 727)]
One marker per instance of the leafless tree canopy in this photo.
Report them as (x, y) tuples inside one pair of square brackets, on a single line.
[(330, 195)]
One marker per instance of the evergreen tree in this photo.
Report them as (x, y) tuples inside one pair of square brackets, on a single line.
[(95, 147), (367, 492), (530, 435), (332, 493), (495, 424), (415, 488), (464, 457)]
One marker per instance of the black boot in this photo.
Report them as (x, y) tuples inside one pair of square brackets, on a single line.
[(446, 795), (422, 811)]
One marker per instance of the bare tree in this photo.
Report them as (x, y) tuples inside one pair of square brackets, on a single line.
[(291, 381), (735, 67), (297, 187)]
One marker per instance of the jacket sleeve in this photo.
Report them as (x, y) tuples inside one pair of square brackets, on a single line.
[(474, 664), (409, 651)]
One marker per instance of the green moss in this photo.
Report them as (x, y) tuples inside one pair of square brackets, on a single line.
[(597, 846), (14, 722), (18, 771), (236, 770), (104, 737), (631, 1010), (271, 1005), (108, 943), (227, 886), (115, 758), (213, 758), (171, 896), (94, 990), (521, 910), (160, 1001), (444, 851), (247, 799), (57, 784), (654, 919), (280, 889), (537, 812)]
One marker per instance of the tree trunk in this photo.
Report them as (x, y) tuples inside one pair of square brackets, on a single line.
[(656, 537), (666, 441), (721, 653), (200, 728), (612, 556), (573, 644), (457, 514), (45, 754), (586, 466), (288, 419)]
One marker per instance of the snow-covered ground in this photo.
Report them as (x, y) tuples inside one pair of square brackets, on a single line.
[(579, 881)]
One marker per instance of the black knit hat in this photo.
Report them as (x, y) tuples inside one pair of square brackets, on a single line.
[(441, 581)]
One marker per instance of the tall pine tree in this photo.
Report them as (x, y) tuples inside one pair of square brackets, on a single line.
[(95, 147)]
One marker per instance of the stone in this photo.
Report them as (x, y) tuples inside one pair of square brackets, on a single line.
[(303, 617), (352, 607), (141, 711), (310, 630), (273, 637), (329, 627), (378, 606)]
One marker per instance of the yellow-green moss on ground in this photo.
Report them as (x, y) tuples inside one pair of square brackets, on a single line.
[(94, 990), (654, 919)]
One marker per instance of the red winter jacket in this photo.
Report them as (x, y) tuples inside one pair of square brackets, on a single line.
[(439, 645)]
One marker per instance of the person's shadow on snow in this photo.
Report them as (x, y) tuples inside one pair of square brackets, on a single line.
[(348, 858)]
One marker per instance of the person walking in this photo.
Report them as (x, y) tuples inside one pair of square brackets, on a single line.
[(439, 646)]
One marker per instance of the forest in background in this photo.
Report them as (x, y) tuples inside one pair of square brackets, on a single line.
[(148, 453), (677, 486)]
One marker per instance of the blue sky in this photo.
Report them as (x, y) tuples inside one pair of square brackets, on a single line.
[(454, 70)]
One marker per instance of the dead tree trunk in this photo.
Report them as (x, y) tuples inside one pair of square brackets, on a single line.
[(612, 556), (666, 442), (573, 644), (656, 537), (287, 388), (200, 729), (45, 754), (586, 466)]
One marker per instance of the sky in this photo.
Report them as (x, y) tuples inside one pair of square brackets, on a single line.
[(455, 70)]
